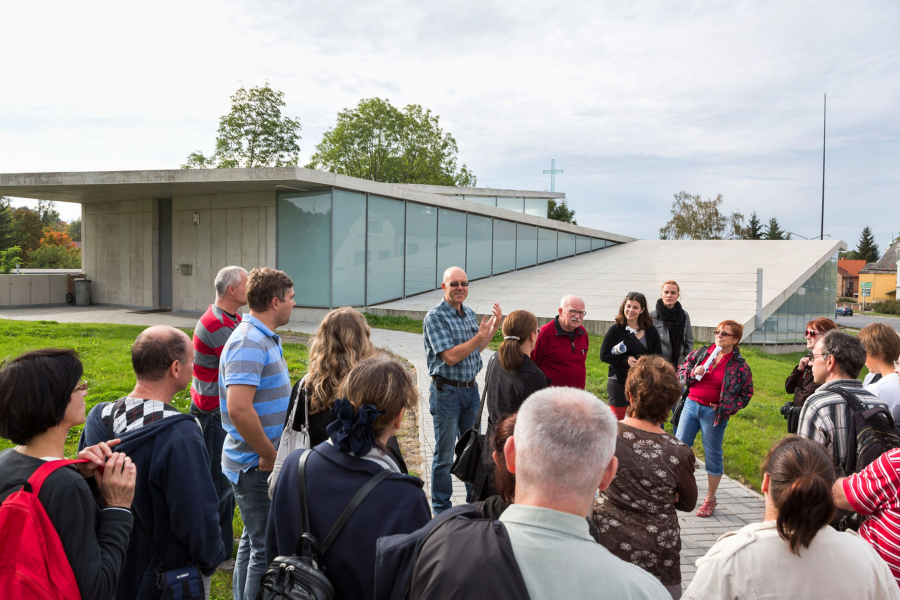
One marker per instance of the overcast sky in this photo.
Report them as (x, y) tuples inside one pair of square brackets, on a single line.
[(635, 100)]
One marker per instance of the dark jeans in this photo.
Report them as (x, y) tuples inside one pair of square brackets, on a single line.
[(214, 438), (453, 410)]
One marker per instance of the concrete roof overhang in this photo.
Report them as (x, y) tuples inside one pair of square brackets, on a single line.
[(106, 186), (718, 279)]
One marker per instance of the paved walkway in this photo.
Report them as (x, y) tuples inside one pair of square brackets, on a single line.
[(738, 505)]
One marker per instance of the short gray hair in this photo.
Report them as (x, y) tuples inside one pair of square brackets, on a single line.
[(227, 277), (568, 298), (564, 438)]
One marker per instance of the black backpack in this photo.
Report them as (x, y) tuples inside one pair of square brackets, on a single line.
[(870, 433), (301, 576)]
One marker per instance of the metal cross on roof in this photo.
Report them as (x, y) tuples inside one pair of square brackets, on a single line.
[(553, 171)]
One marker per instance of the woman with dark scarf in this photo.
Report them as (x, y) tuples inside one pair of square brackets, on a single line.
[(673, 324), (369, 409)]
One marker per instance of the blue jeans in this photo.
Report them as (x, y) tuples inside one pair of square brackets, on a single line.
[(453, 410), (697, 417), (252, 495), (214, 439)]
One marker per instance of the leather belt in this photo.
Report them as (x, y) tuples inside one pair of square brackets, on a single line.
[(460, 384)]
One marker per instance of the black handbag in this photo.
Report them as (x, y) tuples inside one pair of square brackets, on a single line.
[(468, 448), (301, 576), (679, 408)]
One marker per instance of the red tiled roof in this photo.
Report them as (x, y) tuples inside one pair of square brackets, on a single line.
[(851, 267)]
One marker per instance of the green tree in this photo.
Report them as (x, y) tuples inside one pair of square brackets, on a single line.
[(52, 256), (696, 219), (74, 229), (866, 248), (560, 211), (9, 258), (774, 230), (380, 142), (27, 229), (253, 134), (46, 210), (754, 228), (6, 223)]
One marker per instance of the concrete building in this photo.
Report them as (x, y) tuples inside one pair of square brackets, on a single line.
[(155, 240)]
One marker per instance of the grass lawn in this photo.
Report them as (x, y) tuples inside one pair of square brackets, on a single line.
[(750, 433)]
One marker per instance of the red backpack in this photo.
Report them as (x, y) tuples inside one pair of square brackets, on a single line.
[(33, 564)]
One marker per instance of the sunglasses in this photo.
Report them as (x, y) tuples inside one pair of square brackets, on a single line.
[(456, 284), (723, 333), (811, 333)]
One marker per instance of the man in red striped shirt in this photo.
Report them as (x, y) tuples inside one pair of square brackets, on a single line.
[(875, 493), (210, 335)]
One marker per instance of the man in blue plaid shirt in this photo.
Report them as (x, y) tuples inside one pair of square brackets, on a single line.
[(454, 341)]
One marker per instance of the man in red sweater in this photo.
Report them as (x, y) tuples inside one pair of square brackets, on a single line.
[(562, 346)]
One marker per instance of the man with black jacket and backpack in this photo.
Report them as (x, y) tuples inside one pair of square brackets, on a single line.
[(837, 360)]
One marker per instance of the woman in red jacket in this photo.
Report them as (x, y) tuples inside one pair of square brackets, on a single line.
[(718, 389)]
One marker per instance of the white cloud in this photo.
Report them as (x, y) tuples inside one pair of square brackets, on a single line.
[(636, 101)]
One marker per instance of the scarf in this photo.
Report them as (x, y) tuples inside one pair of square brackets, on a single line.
[(673, 320)]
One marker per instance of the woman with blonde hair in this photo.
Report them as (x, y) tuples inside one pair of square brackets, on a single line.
[(511, 377)]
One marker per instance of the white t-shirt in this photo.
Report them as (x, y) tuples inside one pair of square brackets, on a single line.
[(888, 389)]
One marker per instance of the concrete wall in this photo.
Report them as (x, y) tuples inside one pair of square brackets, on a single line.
[(117, 252), (234, 229), (33, 290)]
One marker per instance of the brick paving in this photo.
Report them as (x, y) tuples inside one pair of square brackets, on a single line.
[(738, 504)]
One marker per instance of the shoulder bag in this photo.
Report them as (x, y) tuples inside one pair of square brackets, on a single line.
[(302, 576), (468, 448), (292, 439)]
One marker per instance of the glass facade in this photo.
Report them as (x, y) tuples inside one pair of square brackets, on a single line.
[(346, 248), (516, 204), (529, 206), (536, 207), (814, 299)]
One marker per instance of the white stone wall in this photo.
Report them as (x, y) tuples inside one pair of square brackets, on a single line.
[(234, 229), (117, 252), (33, 290)]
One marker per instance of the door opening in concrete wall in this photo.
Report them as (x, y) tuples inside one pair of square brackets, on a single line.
[(165, 254)]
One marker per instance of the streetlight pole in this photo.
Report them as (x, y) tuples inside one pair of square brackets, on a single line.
[(824, 116)]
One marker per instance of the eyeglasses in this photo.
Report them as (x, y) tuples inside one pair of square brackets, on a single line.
[(456, 284), (574, 312), (82, 387), (538, 331), (723, 333), (811, 333), (822, 356)]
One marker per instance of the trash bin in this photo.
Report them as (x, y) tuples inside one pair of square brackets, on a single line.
[(83, 292)]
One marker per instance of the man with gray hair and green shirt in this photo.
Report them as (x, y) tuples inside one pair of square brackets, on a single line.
[(210, 335), (561, 453)]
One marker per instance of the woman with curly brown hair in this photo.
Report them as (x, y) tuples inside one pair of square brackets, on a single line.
[(636, 513)]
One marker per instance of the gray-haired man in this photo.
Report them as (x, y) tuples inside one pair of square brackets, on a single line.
[(210, 335)]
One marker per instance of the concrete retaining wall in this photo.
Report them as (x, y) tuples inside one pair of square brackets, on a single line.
[(18, 291)]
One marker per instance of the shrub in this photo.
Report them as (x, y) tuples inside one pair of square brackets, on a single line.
[(54, 257), (9, 258), (888, 307), (847, 300)]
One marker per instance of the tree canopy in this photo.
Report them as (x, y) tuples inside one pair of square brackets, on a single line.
[(560, 211), (253, 134), (380, 142), (866, 248), (774, 230), (696, 219), (754, 228)]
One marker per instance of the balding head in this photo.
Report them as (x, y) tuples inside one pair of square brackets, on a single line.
[(156, 348), (454, 276)]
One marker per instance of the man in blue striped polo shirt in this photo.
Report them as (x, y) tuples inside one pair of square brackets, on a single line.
[(254, 389), (454, 341)]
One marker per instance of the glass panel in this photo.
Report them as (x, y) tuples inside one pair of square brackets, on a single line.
[(536, 207), (597, 244), (504, 246), (478, 247), (451, 242), (582, 244), (566, 244), (516, 204), (304, 245), (488, 200), (348, 249), (526, 245), (421, 247), (384, 274), (546, 245)]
